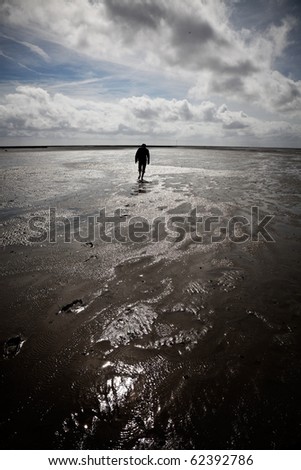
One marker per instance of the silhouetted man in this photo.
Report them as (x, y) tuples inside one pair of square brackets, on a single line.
[(142, 157)]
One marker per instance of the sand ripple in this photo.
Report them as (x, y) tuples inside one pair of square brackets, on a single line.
[(131, 323)]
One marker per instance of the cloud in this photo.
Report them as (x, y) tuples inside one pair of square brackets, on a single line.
[(158, 108), (33, 112), (194, 35), (277, 37), (32, 47), (192, 41), (36, 50), (5, 55), (268, 89), (34, 109), (135, 14)]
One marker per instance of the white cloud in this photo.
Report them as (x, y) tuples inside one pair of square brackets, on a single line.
[(192, 40), (181, 37), (5, 55), (32, 111), (36, 50), (268, 89)]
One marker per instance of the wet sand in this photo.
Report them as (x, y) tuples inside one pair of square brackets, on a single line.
[(158, 343)]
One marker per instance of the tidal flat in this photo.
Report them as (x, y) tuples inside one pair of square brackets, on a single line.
[(155, 315)]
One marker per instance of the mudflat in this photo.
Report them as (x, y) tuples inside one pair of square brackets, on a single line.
[(155, 315)]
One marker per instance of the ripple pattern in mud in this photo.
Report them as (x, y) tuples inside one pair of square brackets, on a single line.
[(131, 323), (189, 345), (186, 338)]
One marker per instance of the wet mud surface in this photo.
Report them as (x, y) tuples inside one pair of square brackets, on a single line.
[(156, 343)]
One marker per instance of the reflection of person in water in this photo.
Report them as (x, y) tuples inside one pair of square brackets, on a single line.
[(142, 157)]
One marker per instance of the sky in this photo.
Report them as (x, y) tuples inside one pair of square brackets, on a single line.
[(163, 72)]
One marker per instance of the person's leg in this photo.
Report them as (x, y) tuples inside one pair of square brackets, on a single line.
[(143, 170), (139, 170)]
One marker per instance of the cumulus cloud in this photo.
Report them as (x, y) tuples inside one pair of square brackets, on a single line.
[(268, 89), (32, 111), (193, 41)]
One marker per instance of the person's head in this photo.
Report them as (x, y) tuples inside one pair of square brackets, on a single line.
[(143, 145)]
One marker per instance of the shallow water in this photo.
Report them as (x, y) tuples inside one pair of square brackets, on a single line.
[(165, 341)]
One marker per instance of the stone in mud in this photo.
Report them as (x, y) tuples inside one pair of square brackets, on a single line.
[(74, 307), (13, 346)]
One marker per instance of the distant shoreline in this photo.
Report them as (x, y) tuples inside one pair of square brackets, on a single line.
[(112, 147)]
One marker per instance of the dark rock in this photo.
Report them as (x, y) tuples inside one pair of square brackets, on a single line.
[(73, 307), (13, 346)]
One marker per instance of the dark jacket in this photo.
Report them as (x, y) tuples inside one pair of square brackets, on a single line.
[(142, 154)]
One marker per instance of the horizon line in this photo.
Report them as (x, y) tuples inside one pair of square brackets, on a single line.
[(121, 146)]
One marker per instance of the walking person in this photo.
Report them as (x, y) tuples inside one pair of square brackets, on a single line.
[(142, 157)]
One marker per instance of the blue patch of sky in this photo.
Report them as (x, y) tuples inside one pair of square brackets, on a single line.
[(290, 63), (20, 63), (259, 15)]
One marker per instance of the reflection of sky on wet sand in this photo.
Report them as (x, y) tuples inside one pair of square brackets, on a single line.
[(116, 391)]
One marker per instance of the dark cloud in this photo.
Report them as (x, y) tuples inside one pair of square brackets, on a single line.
[(188, 31), (191, 41), (135, 13), (227, 77), (5, 12), (233, 84), (243, 67), (289, 96), (189, 38)]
